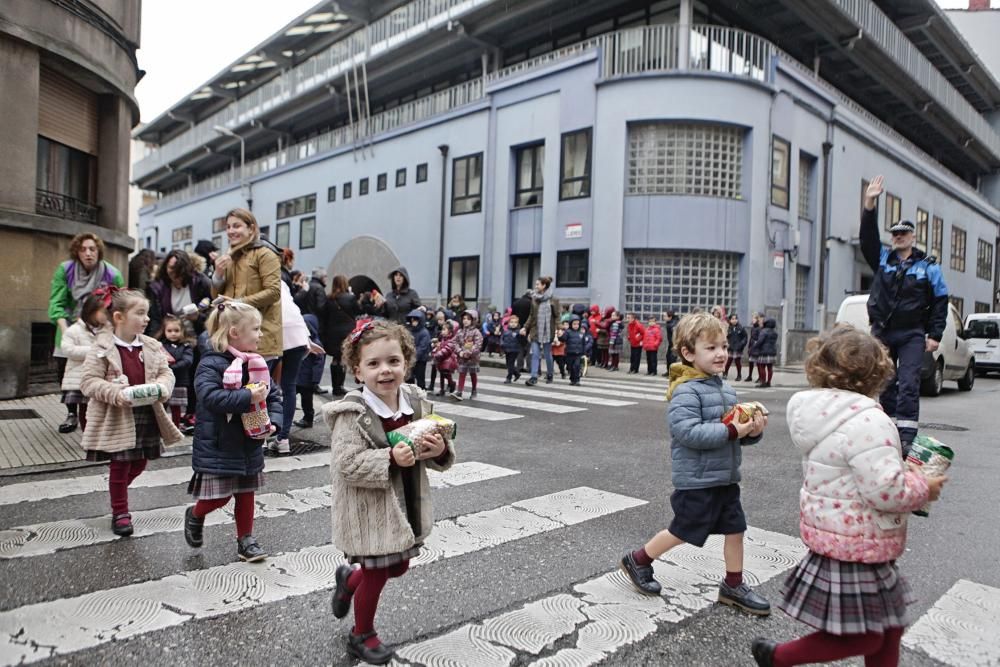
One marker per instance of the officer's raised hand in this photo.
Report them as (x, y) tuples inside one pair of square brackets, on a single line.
[(873, 191)]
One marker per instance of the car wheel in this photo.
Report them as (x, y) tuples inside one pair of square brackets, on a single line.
[(932, 385), (966, 381)]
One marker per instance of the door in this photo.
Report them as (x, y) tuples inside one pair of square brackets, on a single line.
[(524, 271)]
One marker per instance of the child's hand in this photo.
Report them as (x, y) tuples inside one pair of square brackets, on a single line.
[(121, 400), (170, 359), (431, 446), (934, 485), (258, 394), (743, 429), (403, 455), (759, 423)]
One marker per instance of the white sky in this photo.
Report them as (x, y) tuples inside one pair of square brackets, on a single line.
[(186, 42)]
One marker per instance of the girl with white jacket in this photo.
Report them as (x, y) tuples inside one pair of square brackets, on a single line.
[(76, 343), (856, 494)]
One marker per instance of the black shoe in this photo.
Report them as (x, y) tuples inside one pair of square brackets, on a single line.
[(641, 576), (379, 655), (743, 597), (342, 596), (69, 425), (517, 376), (249, 550), (121, 524), (548, 379), (574, 383), (507, 381), (763, 651), (303, 423), (186, 429), (531, 382), (338, 391), (738, 378), (319, 391), (193, 528)]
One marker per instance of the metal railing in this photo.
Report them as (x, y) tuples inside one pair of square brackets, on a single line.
[(64, 206)]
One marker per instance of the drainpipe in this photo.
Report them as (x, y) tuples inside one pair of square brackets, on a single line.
[(824, 229), (444, 183)]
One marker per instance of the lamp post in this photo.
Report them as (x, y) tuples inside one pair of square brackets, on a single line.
[(244, 185)]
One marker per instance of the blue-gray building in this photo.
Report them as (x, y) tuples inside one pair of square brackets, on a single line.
[(649, 155)]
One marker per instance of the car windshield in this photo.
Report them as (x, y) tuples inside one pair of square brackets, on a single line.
[(983, 329)]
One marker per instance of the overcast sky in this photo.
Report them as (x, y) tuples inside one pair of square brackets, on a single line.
[(187, 42)]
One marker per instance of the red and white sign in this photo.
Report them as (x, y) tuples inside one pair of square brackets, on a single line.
[(574, 230)]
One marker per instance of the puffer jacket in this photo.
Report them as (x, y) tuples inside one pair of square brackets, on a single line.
[(766, 344), (653, 339), (220, 445), (421, 336), (254, 277), (75, 344), (856, 492), (636, 333), (701, 450), (575, 339), (737, 339), (446, 353)]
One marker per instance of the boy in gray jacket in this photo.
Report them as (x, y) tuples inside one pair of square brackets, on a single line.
[(706, 464)]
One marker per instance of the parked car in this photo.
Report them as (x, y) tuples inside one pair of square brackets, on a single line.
[(953, 359), (982, 331)]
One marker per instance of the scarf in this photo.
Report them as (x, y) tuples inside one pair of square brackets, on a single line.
[(85, 282), (232, 377), (544, 319), (681, 373)]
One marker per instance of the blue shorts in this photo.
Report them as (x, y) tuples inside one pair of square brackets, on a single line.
[(699, 513)]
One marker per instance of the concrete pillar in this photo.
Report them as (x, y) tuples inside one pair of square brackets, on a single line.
[(19, 129), (684, 35), (113, 155)]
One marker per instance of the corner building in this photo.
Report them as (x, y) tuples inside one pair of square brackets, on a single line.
[(649, 155)]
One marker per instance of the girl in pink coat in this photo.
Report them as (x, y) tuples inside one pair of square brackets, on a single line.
[(856, 495)]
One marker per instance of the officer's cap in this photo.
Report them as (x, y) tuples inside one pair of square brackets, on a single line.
[(903, 226)]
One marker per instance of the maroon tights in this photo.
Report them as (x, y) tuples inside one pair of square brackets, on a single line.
[(366, 584), (243, 511), (461, 381), (739, 365), (122, 474), (880, 650), (765, 372)]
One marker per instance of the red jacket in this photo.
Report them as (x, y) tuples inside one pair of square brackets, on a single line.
[(636, 333), (654, 336)]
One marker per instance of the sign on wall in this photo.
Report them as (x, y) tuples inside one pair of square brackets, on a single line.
[(574, 230)]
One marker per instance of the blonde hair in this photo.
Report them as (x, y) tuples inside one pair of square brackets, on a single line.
[(124, 300), (377, 330), (225, 315), (849, 359), (695, 326)]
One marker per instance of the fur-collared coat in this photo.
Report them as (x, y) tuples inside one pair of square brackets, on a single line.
[(369, 498)]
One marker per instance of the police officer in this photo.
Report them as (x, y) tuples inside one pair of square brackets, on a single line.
[(907, 308)]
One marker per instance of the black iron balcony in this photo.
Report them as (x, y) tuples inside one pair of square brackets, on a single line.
[(64, 206)]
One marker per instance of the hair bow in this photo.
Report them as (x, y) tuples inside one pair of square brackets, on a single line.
[(359, 330), (105, 294)]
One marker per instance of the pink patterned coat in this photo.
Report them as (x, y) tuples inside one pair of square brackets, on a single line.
[(856, 492)]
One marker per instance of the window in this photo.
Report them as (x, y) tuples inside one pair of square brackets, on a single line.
[(572, 267), (467, 184), (401, 177), (921, 231), (331, 193), (959, 304), (575, 166), (265, 232), (149, 242), (893, 210), (282, 232), (307, 233), (296, 206), (381, 182), (218, 225), (217, 242), (679, 280), (362, 187), (528, 180), (182, 234), (421, 172), (66, 180), (807, 166), (188, 247), (864, 189), (957, 248), (463, 277), (937, 237), (801, 295), (780, 150), (981, 307), (346, 190), (685, 159), (984, 260), (525, 269)]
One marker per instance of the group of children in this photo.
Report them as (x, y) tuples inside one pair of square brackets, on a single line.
[(760, 346)]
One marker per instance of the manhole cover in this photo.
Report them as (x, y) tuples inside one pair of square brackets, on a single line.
[(20, 413), (933, 426), (300, 447)]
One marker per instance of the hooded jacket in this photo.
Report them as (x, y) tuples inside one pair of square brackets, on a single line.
[(737, 339), (575, 338), (653, 338), (856, 490), (421, 337), (397, 304), (446, 353), (254, 277), (636, 333), (766, 343)]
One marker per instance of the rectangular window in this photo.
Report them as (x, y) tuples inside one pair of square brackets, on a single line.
[(801, 295), (959, 304), (218, 242), (575, 165), (680, 280), (957, 248), (188, 247), (346, 190), (685, 159), (182, 234), (528, 180), (381, 182), (982, 307), (807, 165), (69, 179), (467, 184), (893, 210), (525, 269), (572, 268), (265, 232), (984, 260), (218, 225), (296, 206), (937, 237), (362, 187), (401, 177), (463, 278), (331, 193), (421, 172), (921, 231), (307, 233), (282, 233), (780, 157)]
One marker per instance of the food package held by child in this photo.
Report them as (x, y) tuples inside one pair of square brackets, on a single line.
[(412, 432), (741, 413), (142, 394), (256, 422), (932, 458)]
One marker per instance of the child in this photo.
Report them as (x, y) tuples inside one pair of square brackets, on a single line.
[(468, 342), (765, 351), (446, 356), (76, 343), (636, 334), (706, 458), (576, 339), (305, 383), (559, 345), (422, 340), (854, 502), (651, 344), (511, 347), (434, 327), (737, 338), (382, 509), (495, 331), (180, 356), (755, 322), (601, 337), (615, 336), (118, 432), (227, 462)]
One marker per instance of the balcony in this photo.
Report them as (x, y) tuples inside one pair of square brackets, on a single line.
[(64, 206)]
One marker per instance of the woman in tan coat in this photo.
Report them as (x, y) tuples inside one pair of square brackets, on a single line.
[(251, 272)]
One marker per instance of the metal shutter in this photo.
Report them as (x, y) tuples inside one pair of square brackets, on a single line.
[(67, 112)]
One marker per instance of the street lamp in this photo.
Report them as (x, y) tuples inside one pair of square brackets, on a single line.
[(244, 185)]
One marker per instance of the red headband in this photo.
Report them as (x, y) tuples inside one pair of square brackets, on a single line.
[(105, 294), (359, 330)]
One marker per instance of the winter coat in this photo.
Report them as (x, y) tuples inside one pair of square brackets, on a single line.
[(421, 337), (522, 308), (446, 353), (593, 321), (754, 336), (615, 330), (653, 338), (61, 302), (636, 333), (368, 495), (183, 355), (254, 277), (766, 344), (531, 326), (311, 301), (76, 343), (737, 339), (701, 449), (857, 491), (111, 428), (336, 322), (221, 447), (397, 304), (575, 340), (160, 303), (509, 341), (311, 362), (469, 343)]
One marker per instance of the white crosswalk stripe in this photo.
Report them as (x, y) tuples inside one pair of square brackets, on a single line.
[(449, 409), (553, 395), (587, 388), (961, 628), (541, 406)]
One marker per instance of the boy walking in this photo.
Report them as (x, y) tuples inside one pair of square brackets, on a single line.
[(706, 457), (511, 346), (651, 341), (576, 340), (636, 336)]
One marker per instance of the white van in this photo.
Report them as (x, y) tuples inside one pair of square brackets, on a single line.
[(982, 331), (953, 359)]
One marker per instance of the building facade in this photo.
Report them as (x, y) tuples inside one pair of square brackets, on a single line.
[(67, 75), (650, 156)]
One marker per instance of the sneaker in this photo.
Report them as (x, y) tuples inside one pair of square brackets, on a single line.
[(69, 425), (574, 383), (507, 381), (281, 447), (121, 524), (531, 382), (249, 550), (342, 596), (743, 597), (379, 655), (455, 396), (641, 576), (763, 651), (303, 423), (193, 528)]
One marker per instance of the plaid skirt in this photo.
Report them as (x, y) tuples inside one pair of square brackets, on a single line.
[(735, 355), (846, 598), (74, 397), (179, 397), (386, 560), (206, 486), (468, 366), (147, 439), (763, 360)]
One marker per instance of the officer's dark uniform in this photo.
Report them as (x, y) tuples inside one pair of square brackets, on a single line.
[(908, 301)]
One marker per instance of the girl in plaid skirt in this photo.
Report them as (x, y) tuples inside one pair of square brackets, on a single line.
[(855, 499), (76, 343), (181, 358)]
